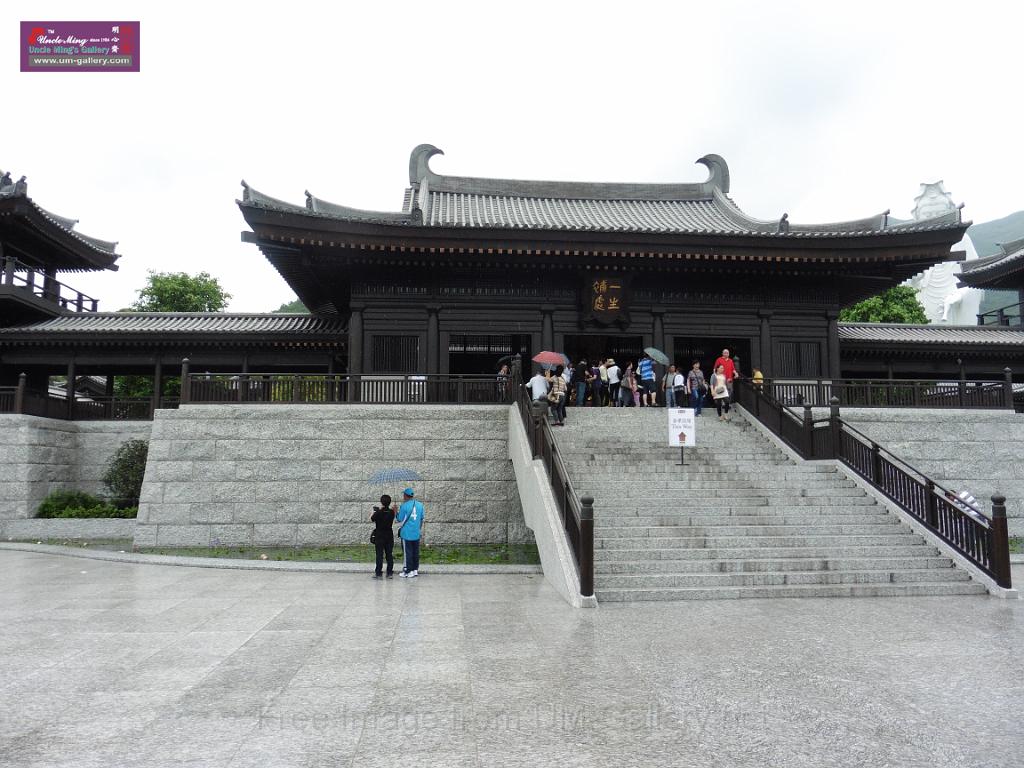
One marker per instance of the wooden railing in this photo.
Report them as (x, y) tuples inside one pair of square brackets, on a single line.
[(893, 393), (983, 541), (21, 399), (284, 388), (576, 513), (31, 279), (1011, 314)]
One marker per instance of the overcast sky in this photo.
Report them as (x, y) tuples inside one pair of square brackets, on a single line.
[(822, 110)]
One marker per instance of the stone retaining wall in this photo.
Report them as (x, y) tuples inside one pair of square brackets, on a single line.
[(44, 455), (297, 475), (982, 451)]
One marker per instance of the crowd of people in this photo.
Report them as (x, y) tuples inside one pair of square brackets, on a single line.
[(604, 383)]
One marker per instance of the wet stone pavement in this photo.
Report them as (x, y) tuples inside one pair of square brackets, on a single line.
[(120, 664)]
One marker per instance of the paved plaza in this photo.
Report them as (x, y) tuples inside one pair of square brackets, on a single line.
[(122, 664)]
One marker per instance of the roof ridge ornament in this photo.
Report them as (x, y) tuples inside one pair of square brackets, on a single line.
[(783, 224), (419, 162), (719, 171)]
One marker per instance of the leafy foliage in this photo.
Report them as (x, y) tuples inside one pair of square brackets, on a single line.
[(142, 386), (896, 305), (123, 477), (181, 292), (292, 307), (78, 504)]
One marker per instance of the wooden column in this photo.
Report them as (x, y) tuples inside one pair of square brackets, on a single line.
[(833, 346), (547, 328), (158, 382), (50, 289), (355, 351), (766, 365), (658, 328), (433, 339), (70, 392)]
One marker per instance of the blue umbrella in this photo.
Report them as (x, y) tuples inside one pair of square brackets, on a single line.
[(392, 476)]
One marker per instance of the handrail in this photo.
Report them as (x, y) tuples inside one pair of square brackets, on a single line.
[(1001, 316), (32, 402), (577, 512), (17, 273), (890, 393), (982, 540), (338, 388)]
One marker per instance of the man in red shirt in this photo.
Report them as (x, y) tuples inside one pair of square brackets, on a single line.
[(730, 368)]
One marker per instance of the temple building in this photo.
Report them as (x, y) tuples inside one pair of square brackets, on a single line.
[(469, 270)]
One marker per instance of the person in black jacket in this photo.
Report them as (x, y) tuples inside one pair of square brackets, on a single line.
[(383, 518)]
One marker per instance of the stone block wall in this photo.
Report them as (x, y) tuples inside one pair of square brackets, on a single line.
[(297, 475), (982, 451), (43, 455)]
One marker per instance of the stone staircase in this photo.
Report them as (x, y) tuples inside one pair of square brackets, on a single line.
[(740, 520)]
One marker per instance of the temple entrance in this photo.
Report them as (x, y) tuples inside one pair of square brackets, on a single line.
[(686, 349), (596, 347), (473, 354)]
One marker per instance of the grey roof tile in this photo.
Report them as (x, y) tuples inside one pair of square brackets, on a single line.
[(929, 334), (456, 202), (180, 322)]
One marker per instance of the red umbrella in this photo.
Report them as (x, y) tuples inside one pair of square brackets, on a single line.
[(549, 358)]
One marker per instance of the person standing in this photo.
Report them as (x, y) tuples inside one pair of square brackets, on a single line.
[(538, 386), (668, 386), (648, 389), (729, 366), (602, 373), (383, 518), (720, 392), (580, 376), (696, 387), (627, 386), (557, 396), (614, 376), (410, 530)]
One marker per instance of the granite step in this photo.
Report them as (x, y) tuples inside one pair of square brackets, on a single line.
[(610, 533), (774, 517), (848, 551), (771, 564), (770, 542), (924, 589), (768, 579)]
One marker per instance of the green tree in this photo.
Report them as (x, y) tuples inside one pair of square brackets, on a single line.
[(896, 305), (171, 292), (181, 292), (291, 308)]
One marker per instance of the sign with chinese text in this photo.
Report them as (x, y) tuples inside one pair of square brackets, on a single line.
[(605, 299), (79, 46), (682, 428)]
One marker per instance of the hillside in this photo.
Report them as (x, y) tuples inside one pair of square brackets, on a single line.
[(987, 236)]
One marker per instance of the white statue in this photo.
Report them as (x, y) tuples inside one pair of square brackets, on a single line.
[(936, 287)]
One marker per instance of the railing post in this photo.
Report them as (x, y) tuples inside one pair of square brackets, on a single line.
[(1000, 556), (19, 394), (295, 388), (186, 383), (586, 553), (809, 431), (876, 464), (537, 411), (8, 271), (1008, 388), (933, 505), (835, 426)]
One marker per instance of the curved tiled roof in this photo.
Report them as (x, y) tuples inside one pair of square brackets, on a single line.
[(894, 333), (180, 323), (1010, 259), (434, 200), (11, 189)]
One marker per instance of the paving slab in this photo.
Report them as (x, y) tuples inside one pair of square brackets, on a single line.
[(204, 667)]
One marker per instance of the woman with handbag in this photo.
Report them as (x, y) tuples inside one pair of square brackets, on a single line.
[(383, 537), (720, 392), (557, 395)]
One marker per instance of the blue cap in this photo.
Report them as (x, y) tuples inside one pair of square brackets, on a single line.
[(408, 492)]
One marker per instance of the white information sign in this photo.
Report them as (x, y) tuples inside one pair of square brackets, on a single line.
[(682, 428)]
